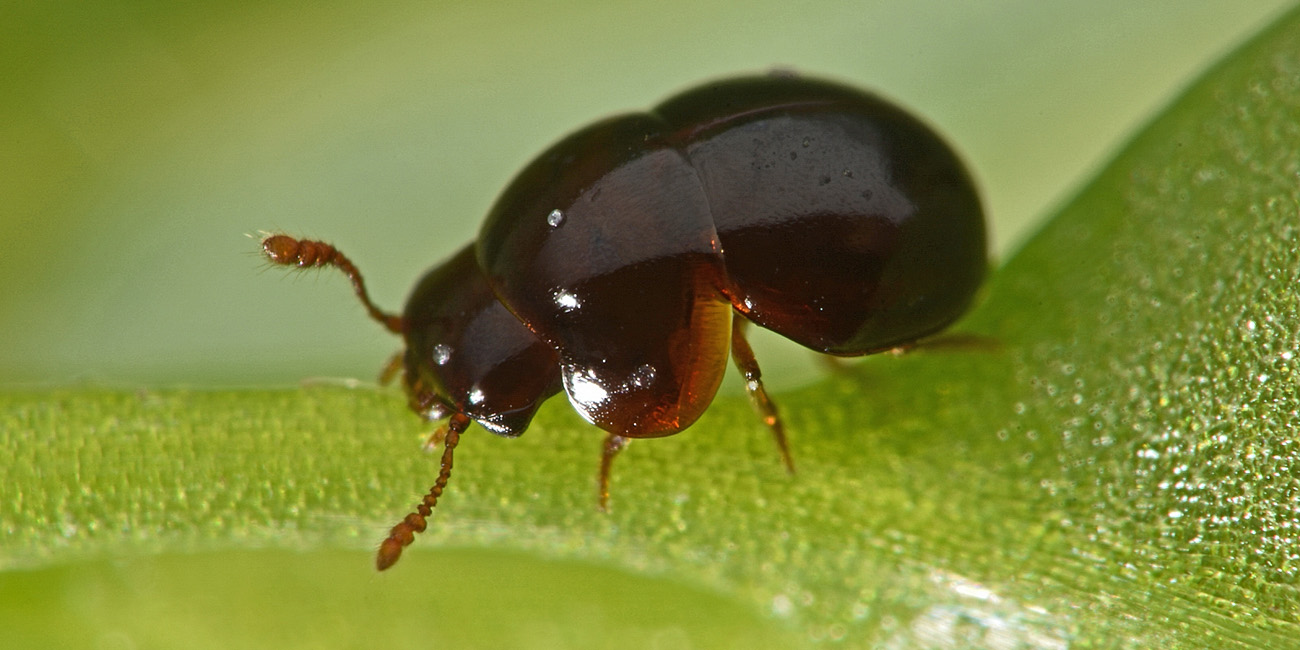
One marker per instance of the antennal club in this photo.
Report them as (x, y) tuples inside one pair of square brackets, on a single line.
[(303, 253)]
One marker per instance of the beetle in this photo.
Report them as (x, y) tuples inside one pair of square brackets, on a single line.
[(622, 265)]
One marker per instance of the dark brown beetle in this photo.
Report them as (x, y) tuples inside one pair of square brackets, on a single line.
[(622, 264)]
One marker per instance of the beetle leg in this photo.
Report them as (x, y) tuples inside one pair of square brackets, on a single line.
[(950, 341), (833, 363), (394, 366), (425, 403), (436, 438), (614, 443), (404, 532), (743, 356)]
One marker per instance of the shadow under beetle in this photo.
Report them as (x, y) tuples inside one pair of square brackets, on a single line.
[(623, 263)]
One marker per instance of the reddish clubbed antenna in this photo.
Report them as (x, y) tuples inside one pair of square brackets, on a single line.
[(303, 253), (404, 532)]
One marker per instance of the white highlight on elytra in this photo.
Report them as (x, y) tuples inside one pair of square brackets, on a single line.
[(584, 389), (565, 300), (441, 354)]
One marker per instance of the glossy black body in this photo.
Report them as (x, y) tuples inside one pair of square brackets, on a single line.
[(812, 209), (847, 225)]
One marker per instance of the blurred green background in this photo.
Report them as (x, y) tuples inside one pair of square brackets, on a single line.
[(141, 141)]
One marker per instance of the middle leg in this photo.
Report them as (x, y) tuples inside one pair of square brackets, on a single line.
[(743, 356)]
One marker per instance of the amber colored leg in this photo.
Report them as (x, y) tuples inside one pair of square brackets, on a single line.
[(833, 363), (436, 438), (613, 444), (403, 533), (962, 341), (394, 366), (743, 356)]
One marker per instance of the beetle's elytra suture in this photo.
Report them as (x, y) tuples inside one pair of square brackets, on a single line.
[(622, 264)]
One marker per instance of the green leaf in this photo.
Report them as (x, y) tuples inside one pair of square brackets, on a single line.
[(1122, 472)]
